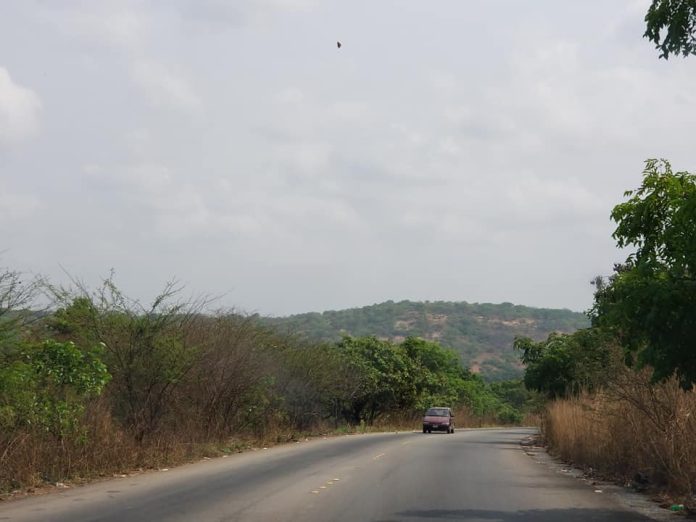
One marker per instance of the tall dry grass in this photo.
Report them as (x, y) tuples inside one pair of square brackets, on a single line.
[(632, 428), (34, 458)]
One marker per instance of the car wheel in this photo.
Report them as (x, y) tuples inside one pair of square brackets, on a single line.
[(425, 431)]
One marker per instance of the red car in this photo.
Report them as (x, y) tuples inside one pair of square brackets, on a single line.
[(438, 418)]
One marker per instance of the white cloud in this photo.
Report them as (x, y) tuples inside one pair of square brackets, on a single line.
[(129, 28), (139, 142), (218, 13), (19, 110), (15, 206), (164, 87), (529, 199), (307, 159), (115, 24), (291, 96), (358, 113)]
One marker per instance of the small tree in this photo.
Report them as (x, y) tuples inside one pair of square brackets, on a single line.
[(147, 349), (381, 374), (438, 374), (565, 364), (47, 385)]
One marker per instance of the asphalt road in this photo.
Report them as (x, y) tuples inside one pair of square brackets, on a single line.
[(474, 475)]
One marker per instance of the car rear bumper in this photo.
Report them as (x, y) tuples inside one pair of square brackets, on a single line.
[(436, 427)]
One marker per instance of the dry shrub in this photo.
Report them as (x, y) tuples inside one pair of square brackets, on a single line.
[(102, 448), (29, 458), (633, 427)]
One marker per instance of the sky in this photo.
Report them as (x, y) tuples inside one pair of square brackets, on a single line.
[(450, 150)]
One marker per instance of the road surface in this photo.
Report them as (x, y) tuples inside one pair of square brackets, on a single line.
[(472, 475)]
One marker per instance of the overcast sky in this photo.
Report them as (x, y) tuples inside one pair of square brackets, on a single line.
[(448, 150)]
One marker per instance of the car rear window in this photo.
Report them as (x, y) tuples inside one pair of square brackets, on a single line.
[(438, 412)]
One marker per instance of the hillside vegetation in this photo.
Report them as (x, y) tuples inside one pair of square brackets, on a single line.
[(482, 334)]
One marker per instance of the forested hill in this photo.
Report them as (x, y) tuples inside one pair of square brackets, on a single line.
[(481, 333)]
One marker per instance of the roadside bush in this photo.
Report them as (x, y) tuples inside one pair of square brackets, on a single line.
[(565, 364), (44, 393)]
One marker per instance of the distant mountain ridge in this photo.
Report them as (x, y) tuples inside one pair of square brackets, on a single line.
[(482, 333)]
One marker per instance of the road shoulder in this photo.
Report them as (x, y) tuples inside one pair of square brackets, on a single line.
[(627, 497)]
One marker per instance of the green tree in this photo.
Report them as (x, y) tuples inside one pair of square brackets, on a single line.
[(382, 377), (671, 26), (438, 375), (514, 393), (549, 365), (564, 364), (650, 300), (47, 385)]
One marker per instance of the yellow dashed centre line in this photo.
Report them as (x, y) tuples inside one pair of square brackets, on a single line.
[(331, 482), (328, 483)]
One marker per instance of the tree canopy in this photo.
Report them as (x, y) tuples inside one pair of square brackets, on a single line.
[(565, 364), (413, 375), (671, 25), (649, 302)]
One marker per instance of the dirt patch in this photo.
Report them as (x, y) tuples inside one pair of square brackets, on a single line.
[(436, 319)]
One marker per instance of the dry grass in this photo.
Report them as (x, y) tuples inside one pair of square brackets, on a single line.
[(34, 459), (633, 430), (101, 449)]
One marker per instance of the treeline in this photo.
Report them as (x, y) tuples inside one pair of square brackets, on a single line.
[(622, 390), (476, 331), (100, 384)]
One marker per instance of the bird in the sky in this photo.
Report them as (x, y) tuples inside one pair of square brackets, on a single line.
[(338, 44)]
